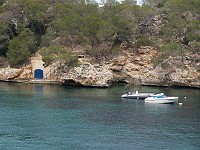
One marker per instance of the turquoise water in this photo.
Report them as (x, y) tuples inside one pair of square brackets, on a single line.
[(55, 117)]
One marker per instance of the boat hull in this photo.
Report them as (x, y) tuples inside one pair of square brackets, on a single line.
[(167, 100), (137, 96)]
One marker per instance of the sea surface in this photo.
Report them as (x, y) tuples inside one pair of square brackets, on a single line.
[(57, 117)]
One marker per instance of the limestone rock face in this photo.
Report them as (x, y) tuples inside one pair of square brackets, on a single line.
[(16, 74), (174, 72), (26, 73), (134, 67), (188, 16), (9, 73), (89, 75), (137, 68)]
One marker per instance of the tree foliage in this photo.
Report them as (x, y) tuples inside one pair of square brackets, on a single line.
[(61, 23), (20, 48), (55, 53), (143, 41)]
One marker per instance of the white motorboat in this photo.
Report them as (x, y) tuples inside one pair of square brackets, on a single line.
[(161, 99), (136, 95)]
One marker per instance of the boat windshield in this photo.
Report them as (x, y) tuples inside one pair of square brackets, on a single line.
[(161, 95)]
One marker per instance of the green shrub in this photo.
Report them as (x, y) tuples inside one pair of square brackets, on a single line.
[(158, 59), (143, 41), (48, 59), (70, 59), (58, 53)]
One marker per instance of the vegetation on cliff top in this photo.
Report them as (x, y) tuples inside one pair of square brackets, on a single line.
[(57, 27)]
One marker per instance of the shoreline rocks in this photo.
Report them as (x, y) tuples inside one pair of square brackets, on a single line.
[(88, 75), (129, 67)]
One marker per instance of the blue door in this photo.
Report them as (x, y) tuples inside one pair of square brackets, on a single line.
[(38, 74)]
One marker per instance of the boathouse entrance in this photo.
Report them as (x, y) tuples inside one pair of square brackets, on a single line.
[(38, 74)]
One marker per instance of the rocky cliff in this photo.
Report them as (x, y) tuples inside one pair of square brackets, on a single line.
[(13, 74), (134, 67), (89, 75)]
